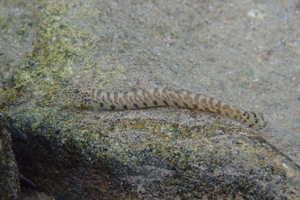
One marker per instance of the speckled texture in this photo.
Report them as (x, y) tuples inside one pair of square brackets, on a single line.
[(157, 97), (243, 52), (121, 158), (9, 172)]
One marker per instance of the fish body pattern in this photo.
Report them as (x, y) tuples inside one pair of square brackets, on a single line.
[(156, 97)]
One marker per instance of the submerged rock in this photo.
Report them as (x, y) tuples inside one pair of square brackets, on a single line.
[(9, 172), (77, 155)]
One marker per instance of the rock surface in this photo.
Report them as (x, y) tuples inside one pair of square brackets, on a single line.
[(66, 152), (9, 172)]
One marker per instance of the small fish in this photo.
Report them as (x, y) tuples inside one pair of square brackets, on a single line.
[(155, 97)]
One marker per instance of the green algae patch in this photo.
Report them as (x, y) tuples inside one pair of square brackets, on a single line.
[(73, 154), (150, 152), (58, 49)]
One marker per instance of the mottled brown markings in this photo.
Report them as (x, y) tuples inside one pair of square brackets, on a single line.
[(211, 102), (144, 94), (175, 103), (109, 99), (205, 107), (172, 96), (179, 96), (149, 95), (226, 107), (197, 98), (113, 107), (188, 97), (165, 95), (159, 97), (156, 94), (165, 103), (185, 104), (137, 97), (121, 101), (204, 101), (219, 104), (131, 100), (125, 97), (156, 90), (104, 100), (238, 111)]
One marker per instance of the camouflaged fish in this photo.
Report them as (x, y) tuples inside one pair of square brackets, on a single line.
[(155, 97)]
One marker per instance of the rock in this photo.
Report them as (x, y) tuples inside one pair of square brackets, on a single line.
[(9, 173), (75, 155)]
